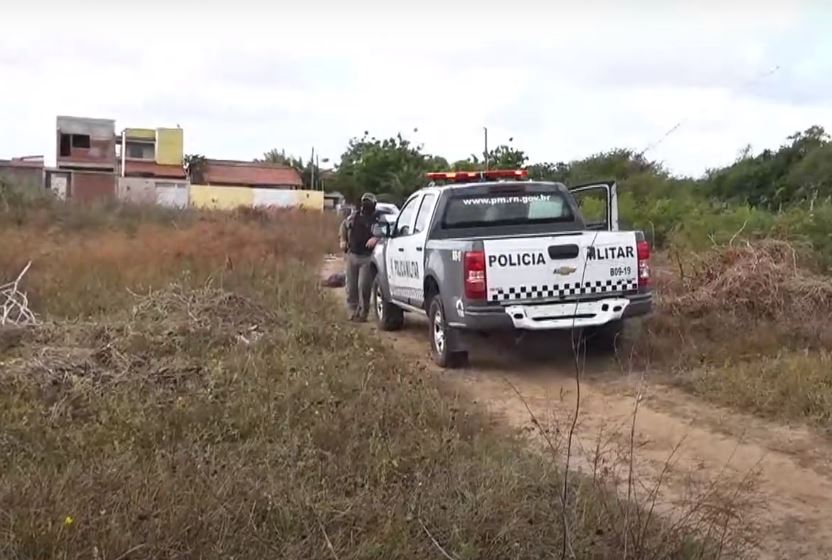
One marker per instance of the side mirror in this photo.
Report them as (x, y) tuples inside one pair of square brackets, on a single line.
[(383, 230)]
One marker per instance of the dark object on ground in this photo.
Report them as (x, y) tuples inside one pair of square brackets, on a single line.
[(337, 280)]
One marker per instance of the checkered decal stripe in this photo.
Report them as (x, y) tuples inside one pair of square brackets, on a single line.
[(564, 290)]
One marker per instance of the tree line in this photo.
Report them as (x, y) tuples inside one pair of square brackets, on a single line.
[(798, 171), (784, 192)]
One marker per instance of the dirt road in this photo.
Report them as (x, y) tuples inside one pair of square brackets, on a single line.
[(690, 444)]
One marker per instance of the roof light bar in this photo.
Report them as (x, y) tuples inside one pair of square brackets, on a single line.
[(491, 174)]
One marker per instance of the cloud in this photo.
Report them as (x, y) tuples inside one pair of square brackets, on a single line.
[(563, 80)]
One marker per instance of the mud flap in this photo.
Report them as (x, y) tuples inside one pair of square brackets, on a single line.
[(456, 340)]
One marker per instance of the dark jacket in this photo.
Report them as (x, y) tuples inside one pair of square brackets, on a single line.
[(356, 230)]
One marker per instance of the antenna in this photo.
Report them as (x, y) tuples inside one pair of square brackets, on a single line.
[(485, 133), (676, 126)]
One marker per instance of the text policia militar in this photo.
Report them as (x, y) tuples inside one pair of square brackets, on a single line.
[(537, 258)]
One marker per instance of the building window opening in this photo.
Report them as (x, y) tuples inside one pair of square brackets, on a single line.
[(140, 151), (65, 145), (81, 141)]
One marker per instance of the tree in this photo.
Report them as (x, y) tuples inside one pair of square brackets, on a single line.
[(195, 168), (776, 178), (558, 172), (812, 177), (501, 157), (394, 167), (507, 157), (279, 157)]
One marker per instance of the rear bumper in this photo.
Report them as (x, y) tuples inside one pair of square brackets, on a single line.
[(496, 318)]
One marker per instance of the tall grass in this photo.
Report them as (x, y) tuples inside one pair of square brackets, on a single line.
[(745, 325), (192, 393)]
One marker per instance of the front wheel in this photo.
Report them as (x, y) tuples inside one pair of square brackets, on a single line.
[(442, 338), (389, 316)]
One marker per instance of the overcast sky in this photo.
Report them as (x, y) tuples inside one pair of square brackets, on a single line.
[(242, 77)]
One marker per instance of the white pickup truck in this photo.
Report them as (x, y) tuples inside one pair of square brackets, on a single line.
[(493, 251)]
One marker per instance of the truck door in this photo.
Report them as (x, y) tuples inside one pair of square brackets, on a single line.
[(599, 205), (398, 265), (414, 250)]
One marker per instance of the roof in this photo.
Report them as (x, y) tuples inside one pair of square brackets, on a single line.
[(223, 172), (18, 162), (153, 169), (68, 118)]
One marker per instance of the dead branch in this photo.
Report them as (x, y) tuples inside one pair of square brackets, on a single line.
[(15, 307), (436, 543), (733, 237), (328, 542)]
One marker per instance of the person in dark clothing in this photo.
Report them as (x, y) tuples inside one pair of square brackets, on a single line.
[(358, 242)]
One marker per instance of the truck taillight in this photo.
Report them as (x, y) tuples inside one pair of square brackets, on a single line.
[(643, 252), (476, 286)]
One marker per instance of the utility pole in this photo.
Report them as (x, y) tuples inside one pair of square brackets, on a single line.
[(485, 132), (312, 169)]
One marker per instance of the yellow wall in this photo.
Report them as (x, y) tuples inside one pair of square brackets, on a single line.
[(310, 200), (215, 197), (141, 133), (221, 198), (169, 146)]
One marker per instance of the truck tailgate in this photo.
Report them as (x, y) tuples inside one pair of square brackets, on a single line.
[(561, 267)]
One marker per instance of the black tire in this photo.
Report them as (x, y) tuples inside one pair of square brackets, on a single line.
[(606, 338), (389, 317), (443, 338)]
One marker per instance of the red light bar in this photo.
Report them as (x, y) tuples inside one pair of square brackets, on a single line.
[(462, 176)]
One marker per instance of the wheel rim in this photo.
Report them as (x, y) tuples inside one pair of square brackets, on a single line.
[(379, 304), (438, 332)]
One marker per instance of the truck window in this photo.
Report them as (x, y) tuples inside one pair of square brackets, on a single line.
[(404, 223), (424, 213), (510, 209), (593, 206)]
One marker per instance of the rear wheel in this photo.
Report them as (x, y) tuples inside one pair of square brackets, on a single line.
[(606, 338), (443, 337), (389, 316)]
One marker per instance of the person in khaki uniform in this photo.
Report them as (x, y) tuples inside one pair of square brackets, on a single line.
[(358, 242)]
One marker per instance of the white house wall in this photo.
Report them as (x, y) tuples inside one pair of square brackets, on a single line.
[(275, 197), (172, 195)]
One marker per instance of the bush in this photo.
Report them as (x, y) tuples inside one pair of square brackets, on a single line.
[(689, 222), (18, 200), (746, 325)]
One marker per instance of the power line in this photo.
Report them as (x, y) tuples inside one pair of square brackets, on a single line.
[(676, 126)]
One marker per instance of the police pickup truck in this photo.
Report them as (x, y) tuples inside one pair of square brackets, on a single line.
[(491, 250)]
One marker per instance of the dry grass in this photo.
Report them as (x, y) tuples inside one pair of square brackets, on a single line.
[(758, 282), (91, 270), (190, 393), (748, 326), (793, 386)]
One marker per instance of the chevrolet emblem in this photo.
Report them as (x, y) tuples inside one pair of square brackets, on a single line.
[(565, 270)]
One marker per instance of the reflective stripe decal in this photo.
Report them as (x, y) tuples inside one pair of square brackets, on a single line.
[(522, 292)]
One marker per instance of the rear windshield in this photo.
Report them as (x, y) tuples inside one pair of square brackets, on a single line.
[(509, 209)]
